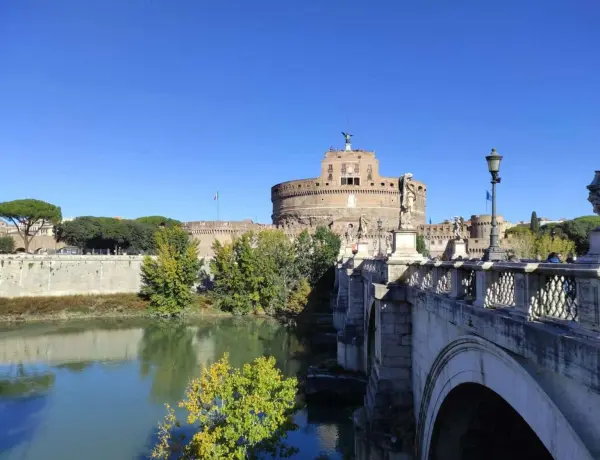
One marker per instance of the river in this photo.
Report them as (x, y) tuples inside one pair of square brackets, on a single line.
[(95, 389)]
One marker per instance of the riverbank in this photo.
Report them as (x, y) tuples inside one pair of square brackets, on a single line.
[(19, 309)]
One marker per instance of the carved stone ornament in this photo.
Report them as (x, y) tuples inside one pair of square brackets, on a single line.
[(594, 196)]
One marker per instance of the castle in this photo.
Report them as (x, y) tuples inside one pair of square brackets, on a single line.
[(348, 188)]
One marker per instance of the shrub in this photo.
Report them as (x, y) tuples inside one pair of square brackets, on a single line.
[(231, 413), (7, 244), (168, 279)]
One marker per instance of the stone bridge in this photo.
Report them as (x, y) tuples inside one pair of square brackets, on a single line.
[(470, 360)]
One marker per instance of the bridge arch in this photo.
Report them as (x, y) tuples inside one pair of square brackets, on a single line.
[(470, 363)]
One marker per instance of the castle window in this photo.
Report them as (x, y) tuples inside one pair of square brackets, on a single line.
[(392, 184), (372, 184), (317, 184), (357, 181), (343, 168), (382, 184), (326, 183), (330, 168), (329, 177), (299, 185)]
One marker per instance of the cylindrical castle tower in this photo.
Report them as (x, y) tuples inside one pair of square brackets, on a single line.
[(481, 226), (349, 187)]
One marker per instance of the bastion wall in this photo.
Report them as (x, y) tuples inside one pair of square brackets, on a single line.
[(56, 275)]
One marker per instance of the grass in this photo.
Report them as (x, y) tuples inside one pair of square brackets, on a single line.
[(85, 305)]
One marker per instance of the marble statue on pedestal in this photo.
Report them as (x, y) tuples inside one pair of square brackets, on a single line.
[(408, 195)]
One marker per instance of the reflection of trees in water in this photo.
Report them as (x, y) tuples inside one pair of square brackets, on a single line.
[(75, 367), (246, 339), (26, 382), (23, 394), (167, 351)]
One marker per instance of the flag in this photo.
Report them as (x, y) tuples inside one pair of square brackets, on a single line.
[(216, 197), (488, 197), (430, 221)]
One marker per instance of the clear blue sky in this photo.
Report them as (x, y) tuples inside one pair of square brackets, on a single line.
[(140, 107)]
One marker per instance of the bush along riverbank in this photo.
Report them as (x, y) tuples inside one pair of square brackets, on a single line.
[(89, 306)]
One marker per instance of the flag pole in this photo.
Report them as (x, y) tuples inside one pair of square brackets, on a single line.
[(218, 201)]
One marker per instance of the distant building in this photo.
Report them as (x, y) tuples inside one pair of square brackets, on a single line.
[(476, 233)]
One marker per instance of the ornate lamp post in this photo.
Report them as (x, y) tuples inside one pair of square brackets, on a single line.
[(379, 227), (494, 252)]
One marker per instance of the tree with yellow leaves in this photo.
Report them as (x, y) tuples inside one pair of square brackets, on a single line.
[(232, 414)]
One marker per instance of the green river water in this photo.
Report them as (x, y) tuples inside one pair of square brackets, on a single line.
[(95, 389)]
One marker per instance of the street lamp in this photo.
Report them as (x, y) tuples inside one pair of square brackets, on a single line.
[(379, 227), (494, 252)]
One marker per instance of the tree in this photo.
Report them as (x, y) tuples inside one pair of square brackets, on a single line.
[(326, 247), (157, 221), (421, 246), (534, 224), (233, 413), (545, 244), (28, 216), (7, 244), (266, 272), (168, 280), (579, 229)]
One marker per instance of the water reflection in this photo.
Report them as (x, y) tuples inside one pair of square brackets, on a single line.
[(96, 389)]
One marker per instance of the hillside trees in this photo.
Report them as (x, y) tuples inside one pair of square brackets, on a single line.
[(534, 224), (28, 216)]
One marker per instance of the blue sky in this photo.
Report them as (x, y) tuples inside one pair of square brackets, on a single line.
[(144, 107)]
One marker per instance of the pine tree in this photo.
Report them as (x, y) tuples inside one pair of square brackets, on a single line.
[(534, 225)]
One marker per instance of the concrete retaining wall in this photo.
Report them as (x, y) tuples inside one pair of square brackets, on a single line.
[(55, 275)]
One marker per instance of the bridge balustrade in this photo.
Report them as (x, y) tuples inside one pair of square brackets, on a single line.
[(565, 293)]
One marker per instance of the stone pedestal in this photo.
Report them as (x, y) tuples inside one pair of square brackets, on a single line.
[(362, 250), (458, 249), (593, 255), (404, 246)]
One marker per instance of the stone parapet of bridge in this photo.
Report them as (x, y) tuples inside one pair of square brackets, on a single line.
[(426, 333)]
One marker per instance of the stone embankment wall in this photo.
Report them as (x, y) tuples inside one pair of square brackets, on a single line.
[(55, 275)]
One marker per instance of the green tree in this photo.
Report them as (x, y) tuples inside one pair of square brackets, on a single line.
[(545, 244), (168, 279), (326, 247), (158, 221), (7, 244), (233, 413), (534, 224), (303, 251), (28, 216), (421, 246), (578, 231)]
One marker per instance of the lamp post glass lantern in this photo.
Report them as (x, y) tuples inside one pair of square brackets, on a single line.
[(494, 252)]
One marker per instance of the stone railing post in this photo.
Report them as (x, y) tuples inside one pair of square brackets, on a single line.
[(483, 279), (588, 302)]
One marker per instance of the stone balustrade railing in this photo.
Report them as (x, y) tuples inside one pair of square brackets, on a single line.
[(539, 291), (375, 269)]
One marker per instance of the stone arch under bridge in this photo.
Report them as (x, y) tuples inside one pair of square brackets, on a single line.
[(470, 362)]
